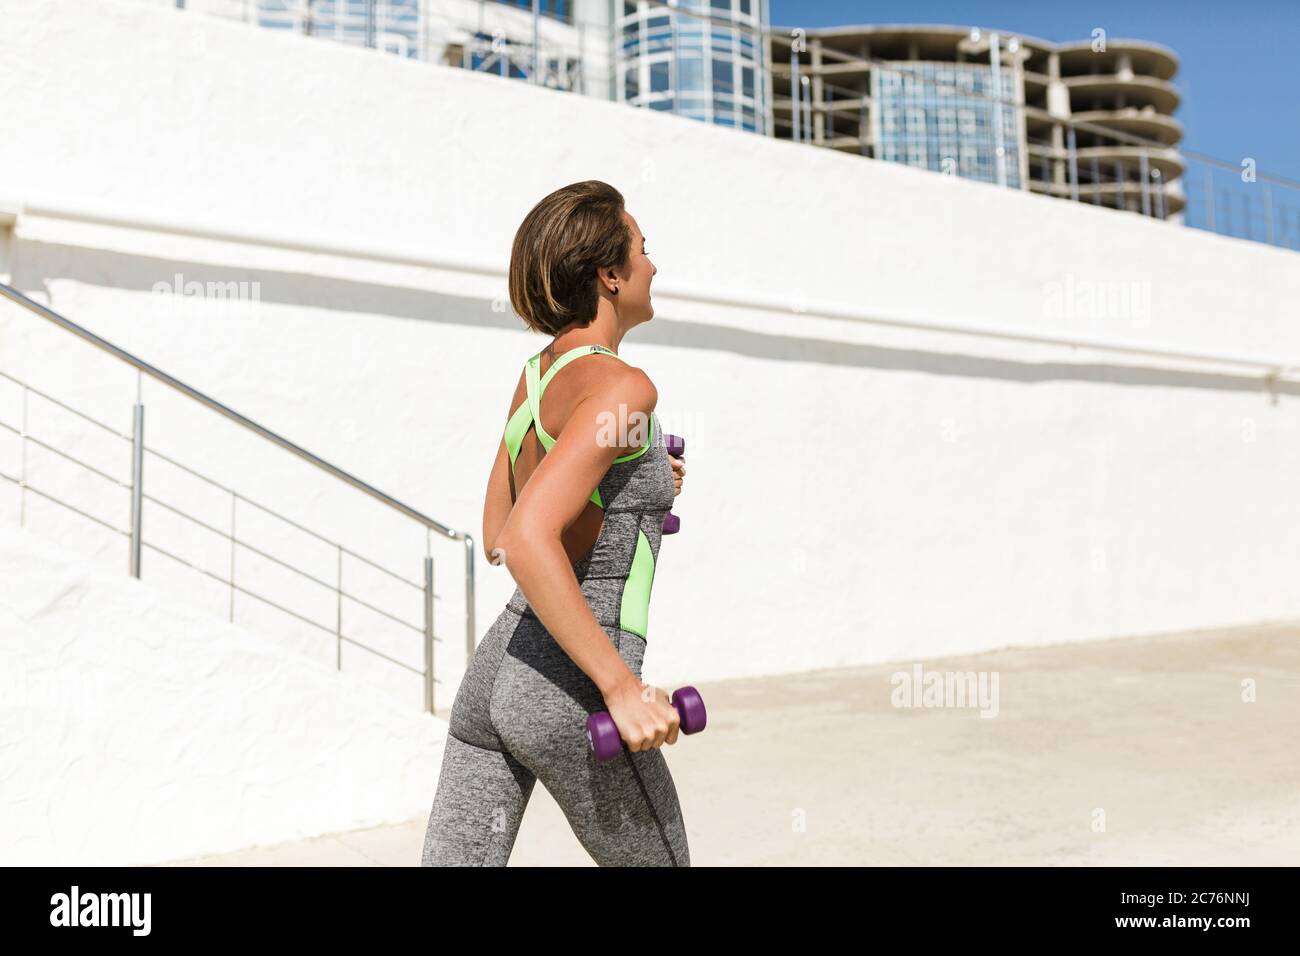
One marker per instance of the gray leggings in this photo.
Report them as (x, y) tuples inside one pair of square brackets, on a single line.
[(519, 717)]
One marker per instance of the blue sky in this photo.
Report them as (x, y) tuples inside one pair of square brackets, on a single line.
[(1239, 70)]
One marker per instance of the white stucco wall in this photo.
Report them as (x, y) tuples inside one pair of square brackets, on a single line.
[(854, 493), (137, 730)]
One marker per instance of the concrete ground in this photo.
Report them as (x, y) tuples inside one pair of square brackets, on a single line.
[(1124, 752)]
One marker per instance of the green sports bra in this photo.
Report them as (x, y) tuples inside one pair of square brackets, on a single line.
[(527, 414)]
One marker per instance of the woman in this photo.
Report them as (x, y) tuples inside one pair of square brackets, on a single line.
[(577, 520)]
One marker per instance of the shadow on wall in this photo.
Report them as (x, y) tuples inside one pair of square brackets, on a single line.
[(35, 263)]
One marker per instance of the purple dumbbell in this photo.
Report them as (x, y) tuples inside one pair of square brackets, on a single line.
[(677, 448), (603, 736)]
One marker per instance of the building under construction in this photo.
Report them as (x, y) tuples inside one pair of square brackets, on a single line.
[(1090, 121)]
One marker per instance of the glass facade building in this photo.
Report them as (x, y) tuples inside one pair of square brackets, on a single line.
[(940, 116), (465, 33), (391, 25), (703, 59)]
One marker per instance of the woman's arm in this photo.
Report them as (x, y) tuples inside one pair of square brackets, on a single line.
[(552, 498), (497, 501)]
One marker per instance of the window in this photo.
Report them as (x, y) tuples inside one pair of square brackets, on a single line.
[(660, 80), (690, 73), (556, 9), (723, 81)]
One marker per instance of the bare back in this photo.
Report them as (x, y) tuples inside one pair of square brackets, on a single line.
[(563, 394)]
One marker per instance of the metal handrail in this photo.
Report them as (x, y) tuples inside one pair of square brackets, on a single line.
[(26, 436), (138, 496), (32, 306)]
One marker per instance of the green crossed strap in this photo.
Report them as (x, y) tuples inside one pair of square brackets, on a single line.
[(528, 414), (634, 607)]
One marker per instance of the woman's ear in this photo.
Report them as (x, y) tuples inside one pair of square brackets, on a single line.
[(609, 280)]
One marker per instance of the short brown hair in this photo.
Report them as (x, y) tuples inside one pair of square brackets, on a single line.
[(560, 244)]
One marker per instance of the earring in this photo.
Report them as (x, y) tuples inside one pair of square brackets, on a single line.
[(615, 290)]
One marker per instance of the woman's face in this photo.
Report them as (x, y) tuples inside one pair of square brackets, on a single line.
[(634, 278)]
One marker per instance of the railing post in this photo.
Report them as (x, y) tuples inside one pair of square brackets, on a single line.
[(469, 598), (428, 634), (137, 479)]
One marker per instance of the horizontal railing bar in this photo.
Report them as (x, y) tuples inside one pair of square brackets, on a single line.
[(379, 567), (278, 607), (49, 497), (351, 597), (226, 534), (322, 538), (64, 405), (275, 514), (63, 454), (235, 494), (186, 468), (378, 653), (380, 611), (284, 564), (32, 306)]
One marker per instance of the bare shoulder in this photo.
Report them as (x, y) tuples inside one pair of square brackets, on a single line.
[(627, 385)]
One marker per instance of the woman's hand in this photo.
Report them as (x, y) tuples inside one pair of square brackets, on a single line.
[(679, 472), (644, 715)]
